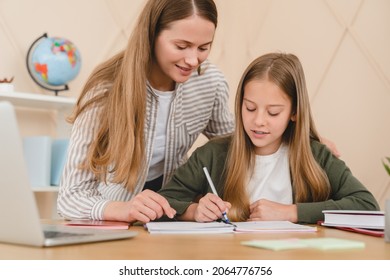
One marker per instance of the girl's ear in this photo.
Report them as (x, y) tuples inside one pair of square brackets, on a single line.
[(293, 117)]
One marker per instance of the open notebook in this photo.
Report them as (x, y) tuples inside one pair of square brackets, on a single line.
[(19, 215), (220, 227)]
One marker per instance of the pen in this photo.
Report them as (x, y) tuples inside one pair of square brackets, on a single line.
[(206, 172)]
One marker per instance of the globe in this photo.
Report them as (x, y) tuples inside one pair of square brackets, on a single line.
[(53, 62)]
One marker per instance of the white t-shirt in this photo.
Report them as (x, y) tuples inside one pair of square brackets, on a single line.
[(271, 178), (156, 167)]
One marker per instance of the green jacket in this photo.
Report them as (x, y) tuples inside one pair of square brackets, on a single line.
[(189, 182)]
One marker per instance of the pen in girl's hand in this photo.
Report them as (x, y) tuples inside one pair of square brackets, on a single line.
[(206, 172)]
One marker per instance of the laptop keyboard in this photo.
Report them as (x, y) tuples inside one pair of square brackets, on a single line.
[(57, 234)]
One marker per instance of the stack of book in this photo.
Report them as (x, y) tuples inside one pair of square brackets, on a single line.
[(366, 222)]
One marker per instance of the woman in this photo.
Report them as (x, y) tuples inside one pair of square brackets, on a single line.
[(141, 111)]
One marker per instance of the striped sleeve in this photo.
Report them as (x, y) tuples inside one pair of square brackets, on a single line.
[(81, 195), (221, 121)]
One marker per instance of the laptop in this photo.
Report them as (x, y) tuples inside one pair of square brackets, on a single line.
[(19, 215)]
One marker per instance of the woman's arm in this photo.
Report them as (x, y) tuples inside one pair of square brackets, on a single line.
[(78, 196), (221, 121), (82, 196)]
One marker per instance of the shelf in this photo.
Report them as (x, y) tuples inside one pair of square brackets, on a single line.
[(39, 101), (46, 197), (62, 105), (45, 189)]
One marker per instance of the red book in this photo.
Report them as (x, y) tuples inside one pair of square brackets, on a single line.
[(372, 232), (98, 224)]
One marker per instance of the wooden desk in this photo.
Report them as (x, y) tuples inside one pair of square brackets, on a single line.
[(200, 247)]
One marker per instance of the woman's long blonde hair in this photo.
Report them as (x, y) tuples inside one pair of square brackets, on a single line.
[(119, 147), (310, 183)]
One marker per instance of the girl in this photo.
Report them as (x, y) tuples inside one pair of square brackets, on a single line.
[(141, 111), (274, 166)]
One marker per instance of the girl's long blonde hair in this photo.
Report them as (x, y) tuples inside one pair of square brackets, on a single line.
[(310, 183), (119, 145)]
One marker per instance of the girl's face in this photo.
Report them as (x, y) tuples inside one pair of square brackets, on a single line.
[(266, 113), (179, 50)]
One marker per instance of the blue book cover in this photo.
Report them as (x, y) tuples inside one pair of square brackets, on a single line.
[(37, 154), (59, 153)]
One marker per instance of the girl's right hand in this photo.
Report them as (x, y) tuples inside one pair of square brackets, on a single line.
[(210, 208), (144, 207)]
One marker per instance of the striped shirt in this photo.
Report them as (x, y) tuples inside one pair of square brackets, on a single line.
[(200, 105)]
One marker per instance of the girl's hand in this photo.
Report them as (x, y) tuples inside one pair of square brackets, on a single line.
[(144, 207), (266, 210), (210, 208)]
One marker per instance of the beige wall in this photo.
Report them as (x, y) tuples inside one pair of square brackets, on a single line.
[(344, 46)]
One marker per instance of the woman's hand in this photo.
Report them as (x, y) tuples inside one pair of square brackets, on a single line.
[(331, 146), (266, 210), (144, 207)]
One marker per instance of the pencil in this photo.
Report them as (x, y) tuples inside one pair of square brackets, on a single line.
[(206, 172)]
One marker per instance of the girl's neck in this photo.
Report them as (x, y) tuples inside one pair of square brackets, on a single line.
[(281, 148), (269, 149)]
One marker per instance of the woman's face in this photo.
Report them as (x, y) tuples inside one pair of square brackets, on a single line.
[(179, 50), (266, 113)]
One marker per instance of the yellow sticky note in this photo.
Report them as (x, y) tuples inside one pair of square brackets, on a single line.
[(314, 243), (276, 245), (332, 243)]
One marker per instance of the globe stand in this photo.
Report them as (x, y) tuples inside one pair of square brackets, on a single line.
[(55, 89)]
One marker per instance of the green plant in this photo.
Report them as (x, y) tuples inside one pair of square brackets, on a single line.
[(386, 165)]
